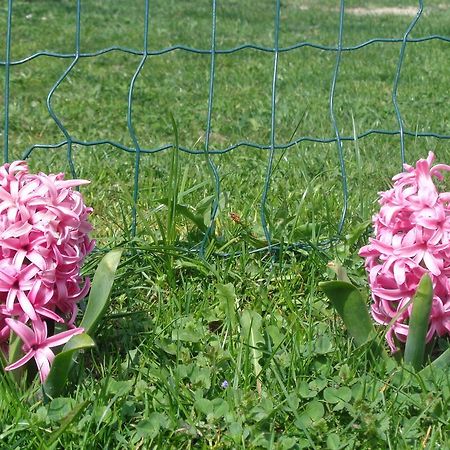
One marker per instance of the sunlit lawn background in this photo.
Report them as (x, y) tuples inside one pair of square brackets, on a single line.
[(179, 325)]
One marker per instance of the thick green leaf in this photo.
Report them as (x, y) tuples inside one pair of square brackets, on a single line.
[(15, 353), (418, 323), (54, 384), (97, 304), (251, 323), (3, 361), (312, 414), (227, 301), (15, 348), (337, 395), (350, 305), (100, 291), (441, 363)]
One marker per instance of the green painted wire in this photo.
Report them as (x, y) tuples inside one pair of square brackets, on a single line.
[(210, 151), (131, 129), (212, 166), (238, 48), (397, 80), (7, 73), (77, 57), (69, 140), (326, 140), (340, 147), (268, 176), (271, 147)]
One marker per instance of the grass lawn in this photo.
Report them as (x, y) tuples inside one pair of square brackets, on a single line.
[(242, 350)]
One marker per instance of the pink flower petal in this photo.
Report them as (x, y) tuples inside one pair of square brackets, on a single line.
[(21, 361), (17, 229), (40, 331), (26, 305), (432, 263), (43, 364), (24, 332), (62, 338)]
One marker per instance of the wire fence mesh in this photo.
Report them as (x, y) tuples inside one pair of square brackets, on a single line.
[(86, 22)]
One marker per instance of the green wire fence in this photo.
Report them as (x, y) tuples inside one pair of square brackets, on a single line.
[(146, 53)]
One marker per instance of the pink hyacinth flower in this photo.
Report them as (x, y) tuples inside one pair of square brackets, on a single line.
[(412, 237), (37, 345), (44, 239)]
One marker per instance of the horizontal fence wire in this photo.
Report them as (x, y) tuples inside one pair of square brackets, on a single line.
[(270, 147)]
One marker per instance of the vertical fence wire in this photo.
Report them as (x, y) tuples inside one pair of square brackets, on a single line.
[(272, 129), (137, 158), (340, 147), (50, 109), (6, 85), (397, 80), (212, 166)]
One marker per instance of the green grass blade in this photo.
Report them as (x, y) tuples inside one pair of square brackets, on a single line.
[(350, 305), (56, 380), (183, 210), (173, 187), (100, 290), (418, 323)]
